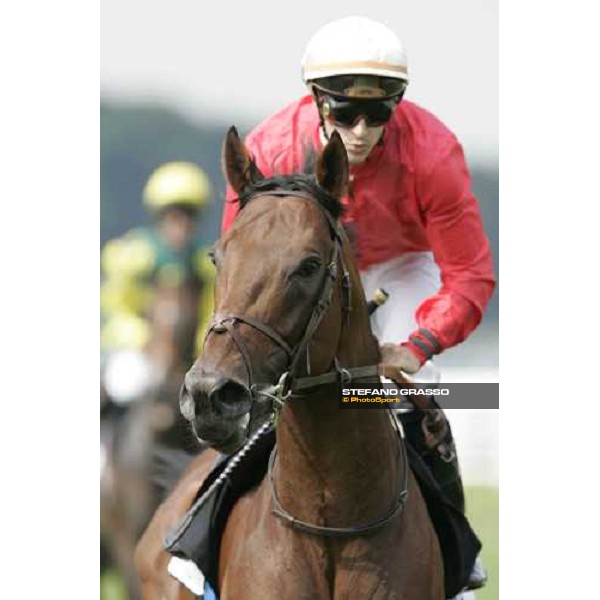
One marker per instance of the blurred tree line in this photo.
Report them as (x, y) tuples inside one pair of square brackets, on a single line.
[(135, 139)]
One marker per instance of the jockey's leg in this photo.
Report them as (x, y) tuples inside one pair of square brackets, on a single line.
[(430, 434), (409, 280)]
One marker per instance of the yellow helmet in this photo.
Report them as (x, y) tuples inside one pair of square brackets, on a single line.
[(177, 183)]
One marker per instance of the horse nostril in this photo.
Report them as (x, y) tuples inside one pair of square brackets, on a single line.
[(195, 390), (230, 398), (186, 404)]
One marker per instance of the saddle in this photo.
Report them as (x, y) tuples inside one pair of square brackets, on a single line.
[(198, 535)]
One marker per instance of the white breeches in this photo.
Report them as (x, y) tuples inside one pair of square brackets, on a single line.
[(408, 279)]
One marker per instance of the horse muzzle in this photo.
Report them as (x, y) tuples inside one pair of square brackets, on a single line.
[(217, 407)]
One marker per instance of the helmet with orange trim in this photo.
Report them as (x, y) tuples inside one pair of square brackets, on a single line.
[(356, 57)]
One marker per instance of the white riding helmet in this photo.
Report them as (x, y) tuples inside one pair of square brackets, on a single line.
[(355, 46)]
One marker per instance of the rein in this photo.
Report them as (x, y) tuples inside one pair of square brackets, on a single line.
[(291, 385)]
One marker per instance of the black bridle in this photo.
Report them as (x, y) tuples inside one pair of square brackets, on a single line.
[(290, 382), (291, 385)]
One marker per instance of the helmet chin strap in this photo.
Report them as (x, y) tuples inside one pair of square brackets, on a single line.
[(323, 134)]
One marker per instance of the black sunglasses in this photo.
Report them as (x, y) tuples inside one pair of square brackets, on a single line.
[(346, 113)]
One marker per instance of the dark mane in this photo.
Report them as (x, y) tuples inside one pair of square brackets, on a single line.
[(295, 183)]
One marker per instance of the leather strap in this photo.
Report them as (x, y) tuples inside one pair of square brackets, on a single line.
[(323, 530), (341, 375)]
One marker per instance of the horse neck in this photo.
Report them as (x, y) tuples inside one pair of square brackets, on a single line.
[(338, 467)]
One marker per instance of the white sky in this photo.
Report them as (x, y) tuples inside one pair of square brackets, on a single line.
[(222, 59)]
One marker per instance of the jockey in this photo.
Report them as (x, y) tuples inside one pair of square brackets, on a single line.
[(167, 253), (410, 210)]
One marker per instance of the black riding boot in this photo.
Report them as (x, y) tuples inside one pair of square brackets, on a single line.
[(429, 433)]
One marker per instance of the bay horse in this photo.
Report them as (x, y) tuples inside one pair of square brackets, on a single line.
[(149, 432), (339, 515)]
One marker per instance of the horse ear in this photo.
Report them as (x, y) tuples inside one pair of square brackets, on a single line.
[(332, 167), (240, 169)]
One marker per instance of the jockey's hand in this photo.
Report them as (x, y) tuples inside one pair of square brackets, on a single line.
[(396, 360)]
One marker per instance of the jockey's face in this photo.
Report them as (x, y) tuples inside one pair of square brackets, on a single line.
[(359, 140), (176, 227)]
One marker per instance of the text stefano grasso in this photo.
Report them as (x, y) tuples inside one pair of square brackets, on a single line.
[(395, 392)]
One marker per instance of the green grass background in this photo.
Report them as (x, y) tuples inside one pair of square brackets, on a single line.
[(482, 509)]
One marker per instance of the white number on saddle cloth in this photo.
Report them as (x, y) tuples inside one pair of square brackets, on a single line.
[(188, 573)]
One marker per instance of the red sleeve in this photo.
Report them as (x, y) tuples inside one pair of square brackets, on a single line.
[(462, 252), (230, 211)]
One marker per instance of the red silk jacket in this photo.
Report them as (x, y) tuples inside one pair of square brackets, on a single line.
[(412, 194)]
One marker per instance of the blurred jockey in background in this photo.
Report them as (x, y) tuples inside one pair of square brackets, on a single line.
[(410, 210), (166, 256), (156, 293)]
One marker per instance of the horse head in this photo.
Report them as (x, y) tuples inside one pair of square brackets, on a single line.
[(277, 267)]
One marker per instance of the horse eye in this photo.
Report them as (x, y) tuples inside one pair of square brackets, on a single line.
[(308, 267), (211, 255)]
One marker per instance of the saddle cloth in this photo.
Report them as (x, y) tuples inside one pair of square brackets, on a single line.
[(199, 538)]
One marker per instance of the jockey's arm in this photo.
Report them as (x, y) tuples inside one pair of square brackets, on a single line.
[(462, 252)]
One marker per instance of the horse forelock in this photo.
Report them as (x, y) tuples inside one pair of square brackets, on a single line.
[(299, 182)]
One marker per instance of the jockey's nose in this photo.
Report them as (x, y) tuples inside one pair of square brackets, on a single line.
[(361, 128), (200, 394)]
